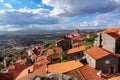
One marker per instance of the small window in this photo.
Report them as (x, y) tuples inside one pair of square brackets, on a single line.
[(107, 62)]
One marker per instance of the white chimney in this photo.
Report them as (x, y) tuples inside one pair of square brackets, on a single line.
[(99, 73)]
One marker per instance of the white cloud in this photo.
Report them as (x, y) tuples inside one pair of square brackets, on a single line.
[(1, 1), (25, 17), (8, 5), (77, 7), (10, 28), (39, 5), (62, 15)]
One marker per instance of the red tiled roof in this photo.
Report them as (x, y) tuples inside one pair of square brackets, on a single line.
[(54, 53), (74, 50), (97, 53), (57, 49), (77, 38), (25, 72), (85, 35), (50, 52), (43, 62), (114, 34), (41, 71), (18, 69), (63, 39), (33, 68), (41, 49), (43, 57), (89, 73), (111, 30), (78, 43), (64, 67), (55, 56)]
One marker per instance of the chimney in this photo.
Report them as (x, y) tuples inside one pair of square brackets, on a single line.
[(46, 68), (28, 71), (99, 73), (100, 40), (119, 32)]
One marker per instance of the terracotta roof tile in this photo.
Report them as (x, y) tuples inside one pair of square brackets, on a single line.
[(37, 68), (43, 57), (89, 73), (63, 39), (77, 38), (41, 71), (50, 52), (64, 67), (57, 49), (55, 56), (24, 72), (74, 50), (114, 34), (78, 43), (111, 30), (97, 53), (18, 69)]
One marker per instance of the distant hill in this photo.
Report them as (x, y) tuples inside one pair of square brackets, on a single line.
[(46, 31)]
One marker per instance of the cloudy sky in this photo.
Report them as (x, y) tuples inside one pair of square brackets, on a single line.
[(58, 14)]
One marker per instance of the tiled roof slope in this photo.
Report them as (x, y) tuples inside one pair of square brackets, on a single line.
[(78, 49), (97, 52), (64, 67), (89, 73), (111, 30), (114, 34)]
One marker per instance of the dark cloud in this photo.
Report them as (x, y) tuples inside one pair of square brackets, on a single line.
[(77, 7)]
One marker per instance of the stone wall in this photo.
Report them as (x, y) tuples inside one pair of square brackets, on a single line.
[(90, 61), (108, 42), (75, 56), (105, 63)]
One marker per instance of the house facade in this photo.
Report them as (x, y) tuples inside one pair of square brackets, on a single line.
[(65, 43), (102, 59), (76, 53), (109, 40), (108, 64)]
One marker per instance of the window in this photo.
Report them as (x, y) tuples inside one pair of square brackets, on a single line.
[(107, 62)]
